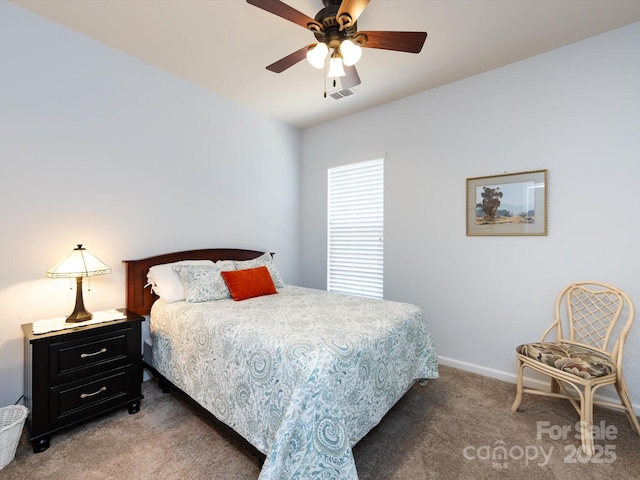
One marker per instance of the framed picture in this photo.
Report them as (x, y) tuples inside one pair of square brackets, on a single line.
[(509, 204)]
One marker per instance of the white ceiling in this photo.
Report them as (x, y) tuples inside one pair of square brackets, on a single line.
[(225, 45)]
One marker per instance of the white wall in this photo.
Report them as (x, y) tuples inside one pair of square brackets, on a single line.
[(574, 111), (99, 148)]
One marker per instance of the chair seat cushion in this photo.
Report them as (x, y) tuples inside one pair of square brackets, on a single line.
[(579, 361)]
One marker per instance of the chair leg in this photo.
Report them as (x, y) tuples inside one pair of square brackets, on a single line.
[(518, 399), (623, 393), (586, 421)]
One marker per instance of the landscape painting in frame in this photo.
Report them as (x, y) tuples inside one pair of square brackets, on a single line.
[(509, 204)]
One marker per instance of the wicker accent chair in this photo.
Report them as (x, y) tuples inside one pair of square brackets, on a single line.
[(580, 363)]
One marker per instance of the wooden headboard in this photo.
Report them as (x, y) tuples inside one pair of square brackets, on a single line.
[(140, 299)]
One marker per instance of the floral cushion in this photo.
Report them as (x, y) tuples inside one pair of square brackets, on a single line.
[(579, 361), (165, 281), (202, 283), (267, 260)]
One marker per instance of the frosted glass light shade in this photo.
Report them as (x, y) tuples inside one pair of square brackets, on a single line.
[(336, 68), (317, 55), (351, 52)]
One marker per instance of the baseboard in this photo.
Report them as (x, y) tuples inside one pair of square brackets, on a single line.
[(528, 381)]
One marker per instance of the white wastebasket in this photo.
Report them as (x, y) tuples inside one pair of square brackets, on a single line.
[(11, 422)]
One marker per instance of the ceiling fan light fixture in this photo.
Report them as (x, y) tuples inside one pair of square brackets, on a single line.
[(336, 69), (317, 55), (351, 52), (335, 29)]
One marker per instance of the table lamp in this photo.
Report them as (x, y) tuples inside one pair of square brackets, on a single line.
[(79, 263)]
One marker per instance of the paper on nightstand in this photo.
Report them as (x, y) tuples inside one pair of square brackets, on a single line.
[(53, 324)]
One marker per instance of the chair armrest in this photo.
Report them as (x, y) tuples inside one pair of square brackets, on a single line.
[(555, 324)]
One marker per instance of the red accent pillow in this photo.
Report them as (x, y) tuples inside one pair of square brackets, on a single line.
[(249, 283)]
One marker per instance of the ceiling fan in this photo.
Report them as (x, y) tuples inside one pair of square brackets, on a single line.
[(335, 29)]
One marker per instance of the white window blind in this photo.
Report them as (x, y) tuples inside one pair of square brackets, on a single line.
[(356, 229)]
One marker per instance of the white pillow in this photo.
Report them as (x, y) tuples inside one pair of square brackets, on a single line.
[(166, 282), (267, 260)]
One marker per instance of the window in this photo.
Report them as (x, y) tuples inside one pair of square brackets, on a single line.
[(356, 228)]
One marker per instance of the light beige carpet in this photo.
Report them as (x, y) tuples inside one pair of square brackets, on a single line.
[(457, 427)]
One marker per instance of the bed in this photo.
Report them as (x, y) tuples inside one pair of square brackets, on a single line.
[(301, 374)]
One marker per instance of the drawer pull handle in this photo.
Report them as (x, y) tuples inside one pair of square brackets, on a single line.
[(85, 355), (85, 395)]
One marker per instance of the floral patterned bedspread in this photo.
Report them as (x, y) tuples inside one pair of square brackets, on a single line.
[(303, 375)]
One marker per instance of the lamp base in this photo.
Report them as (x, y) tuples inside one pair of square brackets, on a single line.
[(76, 317), (79, 314)]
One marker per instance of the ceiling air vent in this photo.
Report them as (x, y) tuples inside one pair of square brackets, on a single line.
[(338, 94)]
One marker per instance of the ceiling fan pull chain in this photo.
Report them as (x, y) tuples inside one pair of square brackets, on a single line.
[(324, 77)]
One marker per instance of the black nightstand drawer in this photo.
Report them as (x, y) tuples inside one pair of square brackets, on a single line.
[(69, 357), (73, 400)]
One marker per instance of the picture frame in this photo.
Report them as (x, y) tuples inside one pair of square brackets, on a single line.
[(511, 204)]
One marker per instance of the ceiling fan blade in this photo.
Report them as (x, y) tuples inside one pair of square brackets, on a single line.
[(288, 13), (349, 12), (290, 60), (411, 42), (351, 78)]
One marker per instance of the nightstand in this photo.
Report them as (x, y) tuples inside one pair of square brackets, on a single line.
[(76, 374)]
